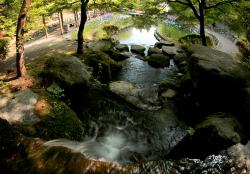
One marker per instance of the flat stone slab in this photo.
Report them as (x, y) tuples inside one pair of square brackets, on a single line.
[(122, 47), (19, 107), (138, 49), (169, 51), (134, 95), (160, 44), (154, 51)]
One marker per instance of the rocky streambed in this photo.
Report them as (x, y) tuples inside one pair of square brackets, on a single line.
[(91, 119)]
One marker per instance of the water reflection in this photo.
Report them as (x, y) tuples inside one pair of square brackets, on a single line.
[(134, 35)]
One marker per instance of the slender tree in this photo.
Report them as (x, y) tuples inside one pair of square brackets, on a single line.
[(20, 61), (84, 4), (199, 8)]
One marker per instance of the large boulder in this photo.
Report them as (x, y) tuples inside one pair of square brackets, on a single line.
[(169, 51), (101, 45), (217, 78), (146, 100), (138, 49), (67, 71), (158, 60), (160, 44), (19, 107), (218, 131)]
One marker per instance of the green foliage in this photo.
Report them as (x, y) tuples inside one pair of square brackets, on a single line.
[(8, 15), (110, 30), (55, 91), (3, 48)]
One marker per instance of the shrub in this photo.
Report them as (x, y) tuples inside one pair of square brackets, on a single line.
[(3, 48), (195, 39), (110, 30)]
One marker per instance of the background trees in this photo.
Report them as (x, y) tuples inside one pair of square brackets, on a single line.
[(200, 9)]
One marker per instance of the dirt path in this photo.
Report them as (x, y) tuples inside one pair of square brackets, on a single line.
[(37, 48), (225, 44)]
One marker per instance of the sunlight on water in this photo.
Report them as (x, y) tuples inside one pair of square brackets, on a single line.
[(137, 36)]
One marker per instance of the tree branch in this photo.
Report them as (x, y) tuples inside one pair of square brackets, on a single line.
[(219, 4), (189, 4)]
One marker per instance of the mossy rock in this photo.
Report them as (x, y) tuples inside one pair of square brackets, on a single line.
[(219, 130), (169, 84), (57, 120), (195, 39), (158, 60), (104, 68)]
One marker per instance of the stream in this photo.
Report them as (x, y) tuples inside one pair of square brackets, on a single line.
[(124, 136), (136, 70)]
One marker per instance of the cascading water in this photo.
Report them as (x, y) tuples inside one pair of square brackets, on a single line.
[(127, 137)]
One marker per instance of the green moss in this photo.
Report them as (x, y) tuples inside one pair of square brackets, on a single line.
[(104, 68), (57, 120), (62, 122), (166, 84)]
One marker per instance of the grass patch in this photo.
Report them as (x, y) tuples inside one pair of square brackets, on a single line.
[(94, 30), (172, 32)]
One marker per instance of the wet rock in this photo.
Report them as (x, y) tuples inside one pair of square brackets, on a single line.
[(19, 107), (160, 44), (34, 156), (218, 131), (138, 49), (216, 76), (169, 51), (132, 94), (240, 154), (158, 60), (101, 45), (124, 55), (122, 47), (219, 164), (154, 51)]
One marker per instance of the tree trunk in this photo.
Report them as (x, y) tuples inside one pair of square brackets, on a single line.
[(76, 17), (82, 25), (60, 23), (61, 14), (20, 62), (45, 27), (202, 24)]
